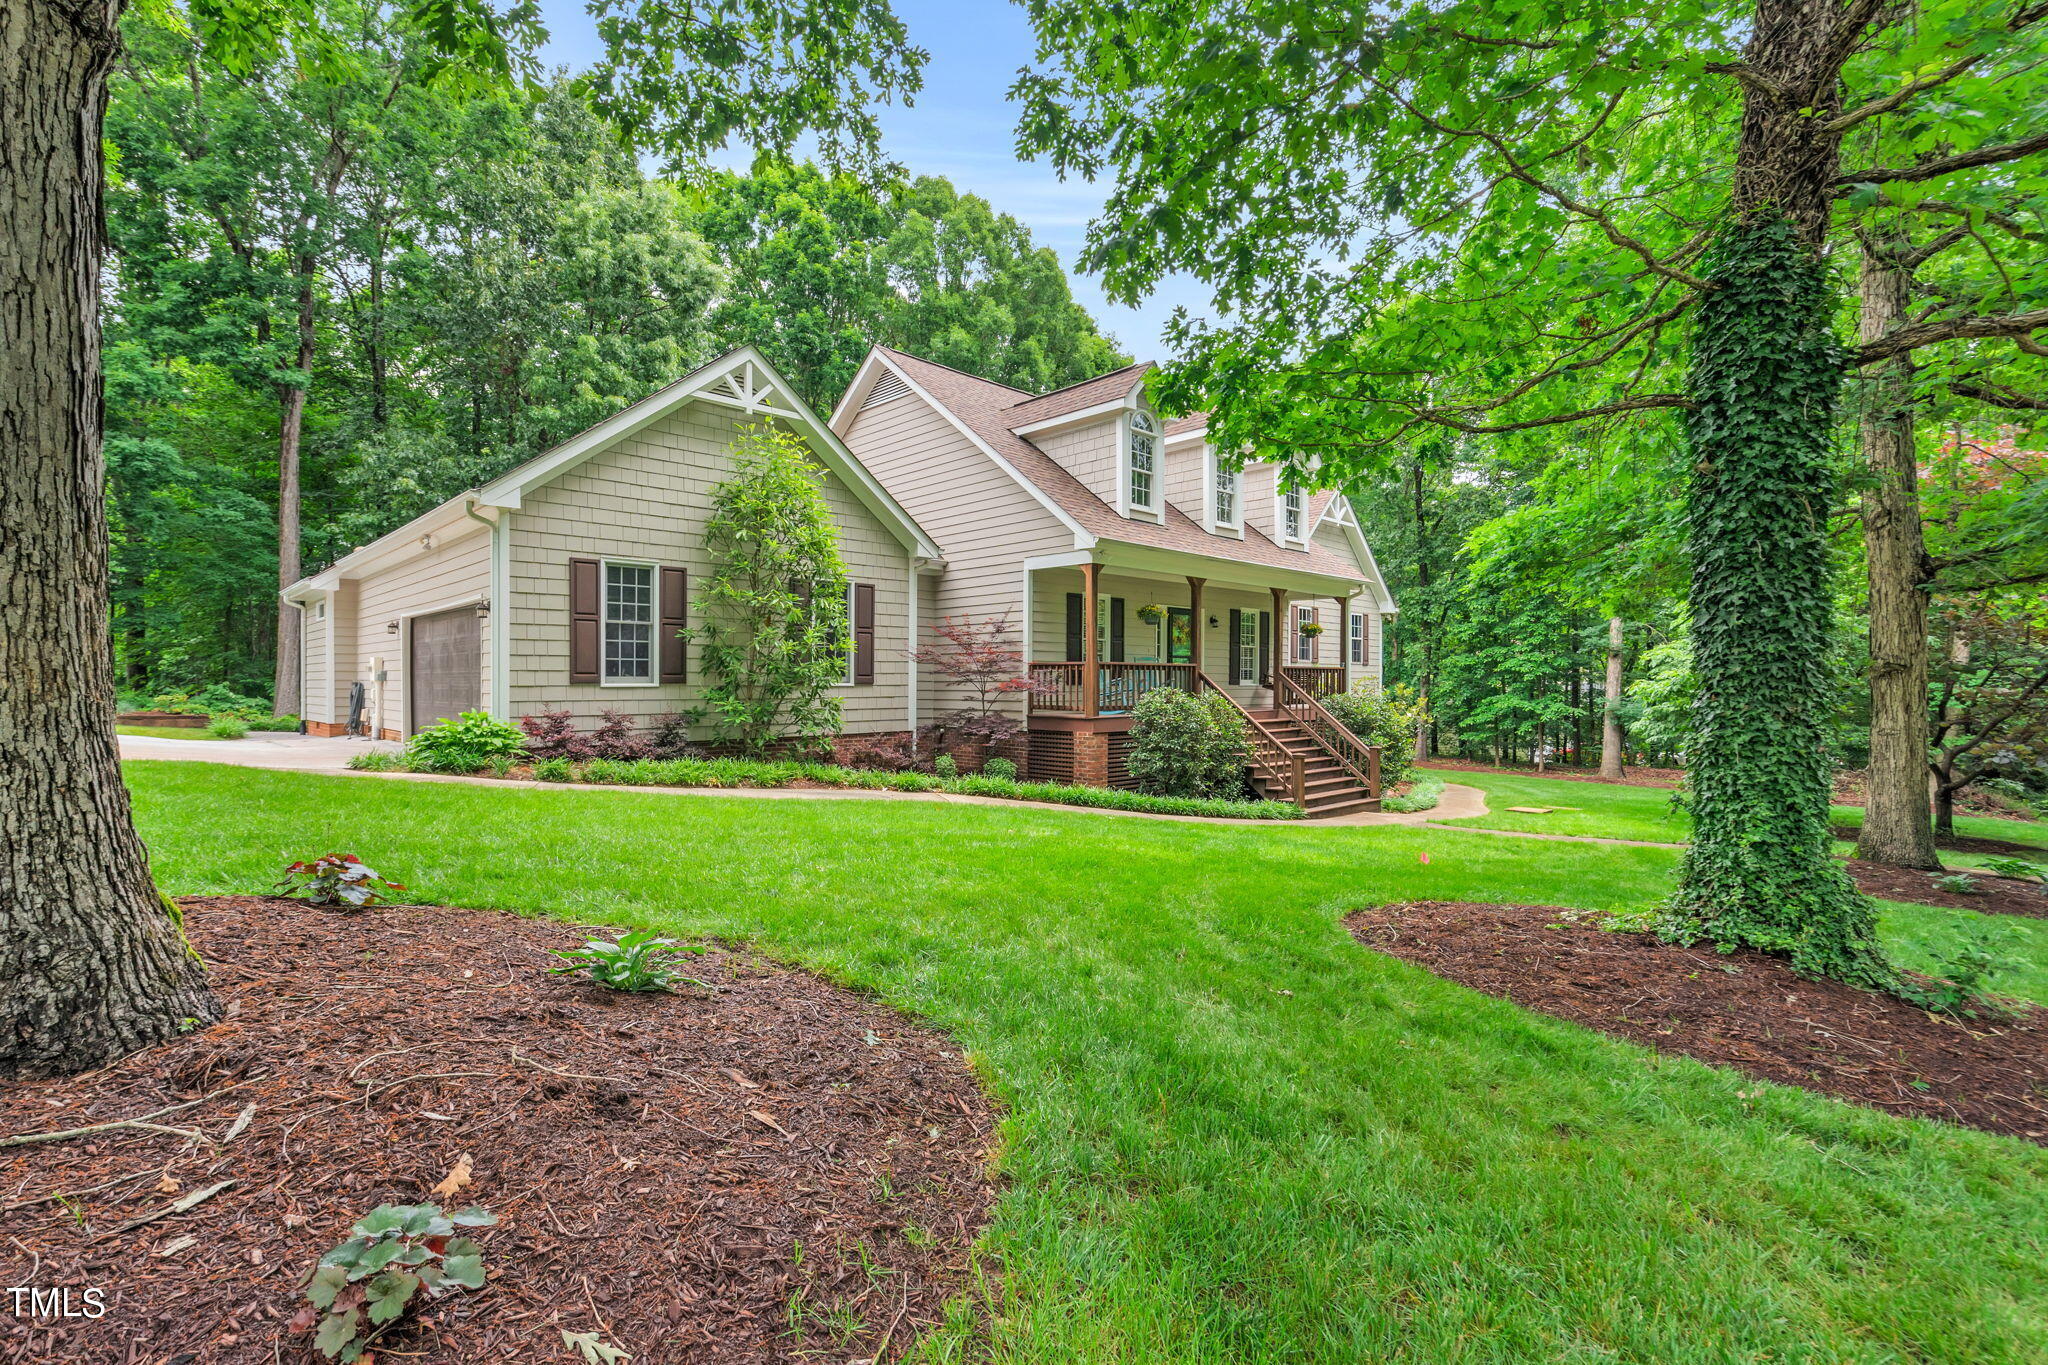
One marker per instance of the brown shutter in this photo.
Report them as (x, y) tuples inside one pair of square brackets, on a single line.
[(863, 632), (584, 631), (675, 615), (1315, 642)]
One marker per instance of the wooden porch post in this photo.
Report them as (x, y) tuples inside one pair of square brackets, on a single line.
[(1091, 651), (1279, 633), (1195, 630), (1344, 642)]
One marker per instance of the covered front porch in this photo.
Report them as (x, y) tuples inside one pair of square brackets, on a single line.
[(1102, 636)]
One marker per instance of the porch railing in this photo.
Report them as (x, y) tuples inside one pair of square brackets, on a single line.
[(1359, 759), (1318, 680), (1062, 684), (1287, 770)]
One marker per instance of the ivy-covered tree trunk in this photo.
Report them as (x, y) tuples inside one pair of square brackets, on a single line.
[(92, 965), (1896, 829)]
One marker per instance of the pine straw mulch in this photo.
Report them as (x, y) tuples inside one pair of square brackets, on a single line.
[(1993, 896), (1740, 1010), (656, 1161)]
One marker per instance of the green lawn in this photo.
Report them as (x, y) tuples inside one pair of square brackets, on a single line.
[(1235, 1135), (1591, 808), (2032, 832), (164, 731)]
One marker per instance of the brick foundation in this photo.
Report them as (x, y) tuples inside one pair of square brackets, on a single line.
[(1091, 758), (326, 729)]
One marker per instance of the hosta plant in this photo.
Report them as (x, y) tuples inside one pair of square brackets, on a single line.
[(637, 962), (364, 1285), (335, 879), (2018, 868), (1956, 884)]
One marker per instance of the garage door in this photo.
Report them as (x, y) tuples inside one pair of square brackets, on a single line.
[(444, 676)]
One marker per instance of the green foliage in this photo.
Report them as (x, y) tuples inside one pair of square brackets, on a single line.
[(1187, 745), (337, 879), (1960, 982), (1387, 718), (359, 1289), (945, 768), (1427, 790), (1957, 884), (2017, 868), (377, 761), (631, 962), (227, 727), (466, 744), (1767, 371), (1000, 768), (771, 612)]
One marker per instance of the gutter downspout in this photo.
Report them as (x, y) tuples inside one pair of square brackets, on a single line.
[(498, 622)]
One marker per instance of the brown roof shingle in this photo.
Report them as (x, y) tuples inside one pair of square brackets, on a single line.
[(989, 410)]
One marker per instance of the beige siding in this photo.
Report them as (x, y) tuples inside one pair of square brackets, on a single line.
[(1256, 487), (455, 571), (344, 669), (1089, 453), (1186, 481), (985, 523), (647, 498), (316, 676)]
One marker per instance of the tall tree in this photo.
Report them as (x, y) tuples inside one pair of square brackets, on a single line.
[(91, 963), (1455, 215)]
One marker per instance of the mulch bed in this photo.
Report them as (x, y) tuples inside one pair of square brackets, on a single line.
[(1965, 843), (1662, 778), (1994, 895), (1758, 1018), (763, 1171)]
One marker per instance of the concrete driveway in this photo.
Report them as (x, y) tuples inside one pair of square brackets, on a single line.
[(262, 749)]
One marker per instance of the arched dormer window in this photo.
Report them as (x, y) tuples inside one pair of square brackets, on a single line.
[(1141, 463)]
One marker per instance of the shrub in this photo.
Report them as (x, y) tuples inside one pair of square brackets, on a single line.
[(1427, 790), (364, 1285), (552, 734), (889, 753), (669, 737), (334, 879), (634, 962), (2018, 868), (466, 744), (227, 727), (1188, 746), (616, 739), (1387, 719), (945, 768), (1002, 769), (277, 723)]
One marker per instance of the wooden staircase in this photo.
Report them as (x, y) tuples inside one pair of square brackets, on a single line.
[(1328, 788)]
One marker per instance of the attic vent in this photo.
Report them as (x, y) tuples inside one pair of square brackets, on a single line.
[(889, 386), (729, 386)]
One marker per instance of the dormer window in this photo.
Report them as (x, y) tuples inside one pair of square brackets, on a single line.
[(1292, 513), (1142, 462), (1223, 481)]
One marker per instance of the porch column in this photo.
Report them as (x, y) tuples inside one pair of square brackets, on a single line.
[(1195, 629), (1278, 633), (1344, 642), (1091, 651)]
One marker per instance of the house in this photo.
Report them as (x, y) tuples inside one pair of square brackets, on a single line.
[(1134, 556), (562, 584)]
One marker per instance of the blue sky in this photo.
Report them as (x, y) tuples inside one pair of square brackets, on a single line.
[(963, 128)]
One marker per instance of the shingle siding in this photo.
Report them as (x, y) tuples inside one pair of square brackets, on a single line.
[(647, 498)]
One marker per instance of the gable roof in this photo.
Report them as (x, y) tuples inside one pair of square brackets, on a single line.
[(741, 379), (989, 413)]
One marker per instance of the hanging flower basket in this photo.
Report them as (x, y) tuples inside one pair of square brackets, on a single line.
[(1151, 613), (1311, 629)]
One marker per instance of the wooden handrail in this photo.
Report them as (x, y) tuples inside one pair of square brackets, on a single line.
[(1336, 737), (1283, 766)]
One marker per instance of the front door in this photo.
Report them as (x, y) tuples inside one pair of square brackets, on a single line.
[(444, 668), (1180, 635)]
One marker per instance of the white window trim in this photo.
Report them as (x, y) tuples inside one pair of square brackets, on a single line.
[(846, 679), (1212, 472), (1354, 646), (1280, 535), (1125, 430), (653, 678)]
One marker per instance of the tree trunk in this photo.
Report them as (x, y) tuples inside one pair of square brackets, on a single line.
[(1765, 380), (92, 964), (1611, 741), (290, 430), (1896, 828)]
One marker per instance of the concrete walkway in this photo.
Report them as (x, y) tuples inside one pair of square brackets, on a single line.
[(312, 754)]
